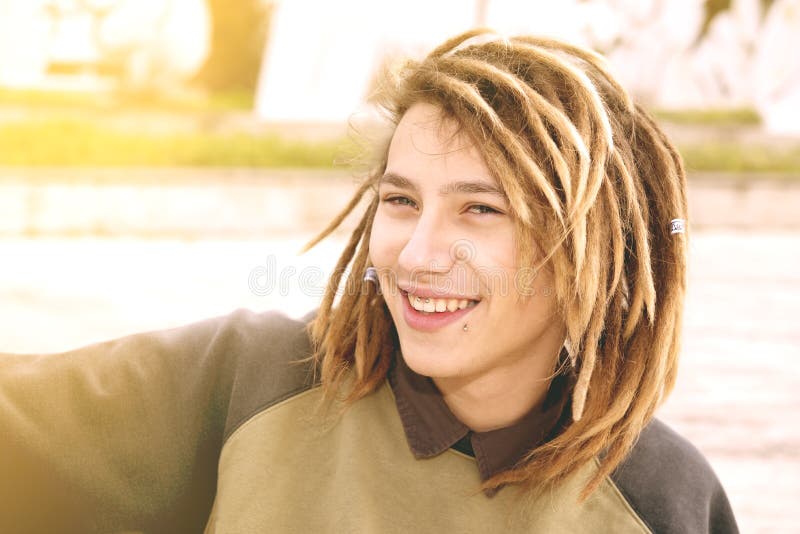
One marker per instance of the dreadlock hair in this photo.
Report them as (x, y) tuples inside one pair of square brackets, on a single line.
[(592, 181)]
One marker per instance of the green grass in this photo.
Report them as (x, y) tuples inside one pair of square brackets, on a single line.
[(735, 158), (71, 143), (75, 143), (154, 101), (710, 117), (232, 100)]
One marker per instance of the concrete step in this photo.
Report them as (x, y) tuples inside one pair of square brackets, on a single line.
[(241, 203)]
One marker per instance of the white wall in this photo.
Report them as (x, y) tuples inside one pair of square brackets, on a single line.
[(321, 55)]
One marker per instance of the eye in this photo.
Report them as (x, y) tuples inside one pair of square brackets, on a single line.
[(399, 201), (482, 209)]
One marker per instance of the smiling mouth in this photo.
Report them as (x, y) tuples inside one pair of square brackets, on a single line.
[(430, 306)]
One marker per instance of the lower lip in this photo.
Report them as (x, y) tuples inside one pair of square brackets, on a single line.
[(428, 322)]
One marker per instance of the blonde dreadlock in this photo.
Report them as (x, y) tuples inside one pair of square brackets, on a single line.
[(593, 181)]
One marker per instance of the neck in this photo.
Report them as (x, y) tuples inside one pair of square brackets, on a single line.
[(501, 397)]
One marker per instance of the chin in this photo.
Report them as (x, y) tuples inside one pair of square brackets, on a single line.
[(431, 362)]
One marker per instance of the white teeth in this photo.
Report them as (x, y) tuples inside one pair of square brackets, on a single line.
[(431, 305)]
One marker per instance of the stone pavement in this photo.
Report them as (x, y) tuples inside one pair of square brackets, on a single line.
[(247, 203), (738, 393)]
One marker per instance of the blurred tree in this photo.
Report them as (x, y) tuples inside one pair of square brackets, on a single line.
[(765, 5), (712, 8), (238, 34)]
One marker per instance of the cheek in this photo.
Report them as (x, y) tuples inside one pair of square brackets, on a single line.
[(383, 246), (541, 304), (498, 247), (494, 266)]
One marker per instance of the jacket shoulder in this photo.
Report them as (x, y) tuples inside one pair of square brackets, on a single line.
[(267, 360), (243, 362), (671, 486)]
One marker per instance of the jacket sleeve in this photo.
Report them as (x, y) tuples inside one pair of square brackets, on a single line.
[(122, 435), (672, 487)]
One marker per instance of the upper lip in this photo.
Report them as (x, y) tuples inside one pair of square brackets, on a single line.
[(429, 293)]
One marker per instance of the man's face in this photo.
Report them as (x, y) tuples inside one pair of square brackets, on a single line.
[(443, 242)]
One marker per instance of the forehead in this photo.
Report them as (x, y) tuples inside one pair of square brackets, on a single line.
[(430, 125), (427, 145)]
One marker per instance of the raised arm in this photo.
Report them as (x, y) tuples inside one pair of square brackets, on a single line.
[(123, 435)]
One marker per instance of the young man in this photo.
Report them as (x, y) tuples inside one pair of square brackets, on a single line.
[(492, 363)]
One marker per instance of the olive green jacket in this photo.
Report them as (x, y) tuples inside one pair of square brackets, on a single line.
[(216, 426)]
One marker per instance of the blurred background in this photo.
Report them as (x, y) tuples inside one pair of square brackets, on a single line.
[(163, 161)]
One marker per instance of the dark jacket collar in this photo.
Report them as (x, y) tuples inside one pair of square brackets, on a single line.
[(431, 428)]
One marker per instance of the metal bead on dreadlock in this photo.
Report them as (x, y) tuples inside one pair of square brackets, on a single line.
[(371, 275), (677, 226)]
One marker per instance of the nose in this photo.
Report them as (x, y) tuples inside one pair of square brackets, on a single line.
[(427, 251)]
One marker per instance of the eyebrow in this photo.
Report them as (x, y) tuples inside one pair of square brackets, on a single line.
[(461, 186)]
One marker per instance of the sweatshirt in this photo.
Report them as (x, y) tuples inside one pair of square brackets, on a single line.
[(218, 427)]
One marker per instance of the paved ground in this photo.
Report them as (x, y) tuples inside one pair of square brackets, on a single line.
[(737, 399), (253, 203), (738, 392)]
